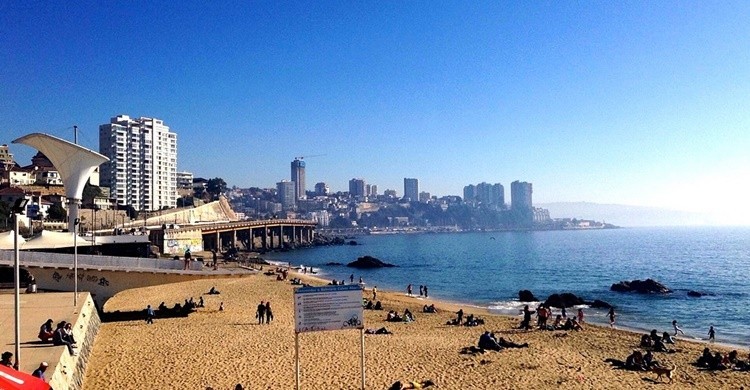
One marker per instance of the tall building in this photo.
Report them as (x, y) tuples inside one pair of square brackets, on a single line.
[(411, 189), (498, 195), (321, 189), (298, 178), (424, 197), (286, 192), (484, 193), (357, 188), (6, 163), (374, 190), (470, 193), (520, 195), (142, 167)]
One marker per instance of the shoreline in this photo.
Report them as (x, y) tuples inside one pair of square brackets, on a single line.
[(455, 305)]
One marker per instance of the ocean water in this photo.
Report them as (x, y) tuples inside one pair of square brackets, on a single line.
[(488, 269)]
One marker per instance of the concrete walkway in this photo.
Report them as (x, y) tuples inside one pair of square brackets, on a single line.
[(35, 310)]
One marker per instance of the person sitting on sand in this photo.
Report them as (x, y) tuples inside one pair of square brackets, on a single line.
[(398, 385), (572, 324), (200, 302), (705, 359), (558, 324), (46, 332), (646, 341), (654, 336), (378, 306), (369, 305), (634, 361), (506, 343), (487, 342), (667, 338), (408, 317), (163, 307), (213, 291), (648, 360), (429, 309)]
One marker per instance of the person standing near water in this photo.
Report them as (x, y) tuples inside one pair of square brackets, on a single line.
[(676, 328), (425, 291), (351, 278), (612, 316), (421, 290), (580, 316), (711, 334), (408, 290), (374, 293)]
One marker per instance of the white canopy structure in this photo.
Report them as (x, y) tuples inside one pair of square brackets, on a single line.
[(6, 240), (75, 164)]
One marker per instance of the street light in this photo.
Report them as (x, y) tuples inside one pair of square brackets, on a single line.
[(93, 224), (76, 223), (18, 208)]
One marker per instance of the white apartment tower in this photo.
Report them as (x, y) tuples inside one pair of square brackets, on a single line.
[(142, 167)]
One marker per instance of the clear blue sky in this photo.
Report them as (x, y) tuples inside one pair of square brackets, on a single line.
[(641, 103)]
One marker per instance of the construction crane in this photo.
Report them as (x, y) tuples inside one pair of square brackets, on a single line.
[(304, 157)]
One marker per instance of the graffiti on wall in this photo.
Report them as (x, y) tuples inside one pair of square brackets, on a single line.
[(82, 276), (178, 246)]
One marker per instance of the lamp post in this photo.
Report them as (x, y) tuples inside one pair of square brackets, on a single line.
[(76, 223), (93, 230), (18, 208)]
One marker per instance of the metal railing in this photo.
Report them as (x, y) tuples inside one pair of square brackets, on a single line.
[(95, 261)]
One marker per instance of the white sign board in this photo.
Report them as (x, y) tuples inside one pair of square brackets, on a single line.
[(328, 308)]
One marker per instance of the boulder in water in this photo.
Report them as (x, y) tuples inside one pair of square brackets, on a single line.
[(648, 286), (563, 300), (333, 263), (526, 296), (695, 294), (368, 262), (599, 304)]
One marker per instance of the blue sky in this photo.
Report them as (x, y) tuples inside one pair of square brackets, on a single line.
[(640, 103)]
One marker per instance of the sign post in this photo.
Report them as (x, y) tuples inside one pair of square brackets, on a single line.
[(328, 308)]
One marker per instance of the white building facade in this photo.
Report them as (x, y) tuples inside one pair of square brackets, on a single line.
[(142, 167)]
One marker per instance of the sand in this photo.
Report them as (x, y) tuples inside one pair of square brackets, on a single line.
[(221, 349)]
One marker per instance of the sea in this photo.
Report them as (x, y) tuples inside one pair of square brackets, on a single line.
[(487, 269)]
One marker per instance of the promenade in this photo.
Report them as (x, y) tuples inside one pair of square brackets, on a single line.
[(64, 370)]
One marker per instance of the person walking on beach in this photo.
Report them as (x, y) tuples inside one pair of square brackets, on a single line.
[(408, 290), (361, 281), (149, 315), (351, 278), (269, 313), (612, 316), (374, 293), (421, 290), (425, 291), (260, 314), (563, 313), (215, 259), (676, 328), (580, 316), (711, 334), (188, 256)]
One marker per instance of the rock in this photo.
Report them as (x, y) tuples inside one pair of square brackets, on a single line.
[(598, 304), (695, 294), (563, 300), (333, 263), (647, 286), (352, 242), (526, 296), (368, 262)]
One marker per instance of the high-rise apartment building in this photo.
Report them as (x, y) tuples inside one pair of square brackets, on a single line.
[(298, 178), (497, 196), (411, 189), (520, 195), (357, 188), (321, 189), (374, 190), (470, 193), (142, 167), (286, 192)]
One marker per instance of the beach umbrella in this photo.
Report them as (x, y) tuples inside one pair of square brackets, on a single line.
[(11, 379)]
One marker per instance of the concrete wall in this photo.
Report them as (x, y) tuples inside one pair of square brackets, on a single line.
[(175, 243), (70, 370)]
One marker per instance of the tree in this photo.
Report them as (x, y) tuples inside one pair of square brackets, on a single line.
[(57, 213), (216, 187)]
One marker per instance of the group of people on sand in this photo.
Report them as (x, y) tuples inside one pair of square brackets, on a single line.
[(264, 314), (393, 316), (429, 309), (470, 319), (656, 342), (369, 305), (61, 335), (719, 361), (544, 313)]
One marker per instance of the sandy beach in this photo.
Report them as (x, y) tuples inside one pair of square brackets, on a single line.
[(219, 349)]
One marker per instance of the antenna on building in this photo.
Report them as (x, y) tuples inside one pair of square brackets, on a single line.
[(75, 134), (309, 156)]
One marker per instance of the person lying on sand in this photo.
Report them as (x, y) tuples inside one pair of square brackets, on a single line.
[(382, 330), (398, 385)]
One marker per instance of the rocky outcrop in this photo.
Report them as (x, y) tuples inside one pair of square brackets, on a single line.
[(333, 263), (599, 304), (648, 286), (368, 262), (526, 296), (563, 300), (697, 294)]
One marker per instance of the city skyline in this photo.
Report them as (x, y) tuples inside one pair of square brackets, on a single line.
[(637, 104)]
